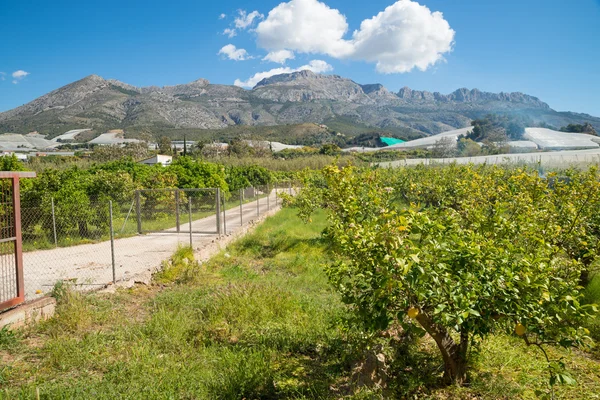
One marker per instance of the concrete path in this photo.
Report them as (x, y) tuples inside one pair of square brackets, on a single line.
[(90, 265)]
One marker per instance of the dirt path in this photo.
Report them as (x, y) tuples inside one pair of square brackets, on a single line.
[(90, 265)]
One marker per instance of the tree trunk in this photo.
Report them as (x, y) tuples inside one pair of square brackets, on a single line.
[(83, 229), (453, 354)]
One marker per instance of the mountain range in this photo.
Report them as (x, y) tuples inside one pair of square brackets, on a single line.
[(296, 98)]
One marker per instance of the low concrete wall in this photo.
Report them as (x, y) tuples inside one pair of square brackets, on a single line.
[(28, 313)]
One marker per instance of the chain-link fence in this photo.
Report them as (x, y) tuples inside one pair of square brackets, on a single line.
[(96, 243)]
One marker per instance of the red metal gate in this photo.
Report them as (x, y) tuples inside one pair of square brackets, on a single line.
[(12, 290)]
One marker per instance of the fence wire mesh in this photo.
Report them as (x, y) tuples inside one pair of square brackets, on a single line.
[(63, 241), (8, 271)]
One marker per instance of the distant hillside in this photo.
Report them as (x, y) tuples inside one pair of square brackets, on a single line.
[(302, 97)]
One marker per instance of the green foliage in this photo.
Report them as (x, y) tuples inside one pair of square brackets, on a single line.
[(392, 155), (580, 128), (290, 154), (179, 268), (330, 149), (495, 128), (475, 250), (258, 320), (81, 195), (238, 177), (468, 148), (164, 145), (193, 173), (11, 163), (106, 153), (8, 338)]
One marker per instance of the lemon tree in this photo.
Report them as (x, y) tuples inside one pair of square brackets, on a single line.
[(463, 252)]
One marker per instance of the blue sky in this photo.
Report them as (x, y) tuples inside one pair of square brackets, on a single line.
[(549, 49)]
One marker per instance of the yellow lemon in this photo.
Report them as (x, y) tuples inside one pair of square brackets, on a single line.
[(413, 312), (520, 329), (38, 291)]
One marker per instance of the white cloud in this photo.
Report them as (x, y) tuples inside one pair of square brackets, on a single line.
[(241, 22), (306, 26), (316, 66), (280, 56), (18, 76), (222, 16), (404, 36), (244, 20), (2, 76), (233, 53), (230, 33)]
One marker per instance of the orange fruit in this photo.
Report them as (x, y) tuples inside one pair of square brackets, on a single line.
[(413, 312), (520, 329)]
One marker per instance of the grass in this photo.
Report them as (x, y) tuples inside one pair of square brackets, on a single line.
[(257, 321)]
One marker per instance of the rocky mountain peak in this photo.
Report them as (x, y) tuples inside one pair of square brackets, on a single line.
[(303, 75), (298, 97), (93, 78), (307, 86)]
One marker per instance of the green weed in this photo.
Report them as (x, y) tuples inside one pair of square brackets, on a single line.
[(258, 321)]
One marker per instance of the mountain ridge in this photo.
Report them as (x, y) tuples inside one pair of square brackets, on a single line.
[(298, 97)]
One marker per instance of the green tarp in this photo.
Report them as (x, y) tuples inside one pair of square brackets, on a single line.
[(388, 141)]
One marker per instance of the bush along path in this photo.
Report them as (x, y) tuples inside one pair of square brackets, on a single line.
[(258, 321)]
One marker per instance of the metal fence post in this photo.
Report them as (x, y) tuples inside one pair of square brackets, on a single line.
[(224, 216), (268, 195), (177, 210), (257, 203), (54, 224), (290, 188), (112, 242), (190, 218), (138, 210), (218, 204), (241, 207)]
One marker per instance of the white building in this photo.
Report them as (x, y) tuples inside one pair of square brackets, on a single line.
[(158, 159)]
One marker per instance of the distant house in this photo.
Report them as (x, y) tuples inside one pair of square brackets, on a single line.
[(20, 156), (158, 159)]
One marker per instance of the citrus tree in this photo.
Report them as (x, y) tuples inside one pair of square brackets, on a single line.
[(481, 254)]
